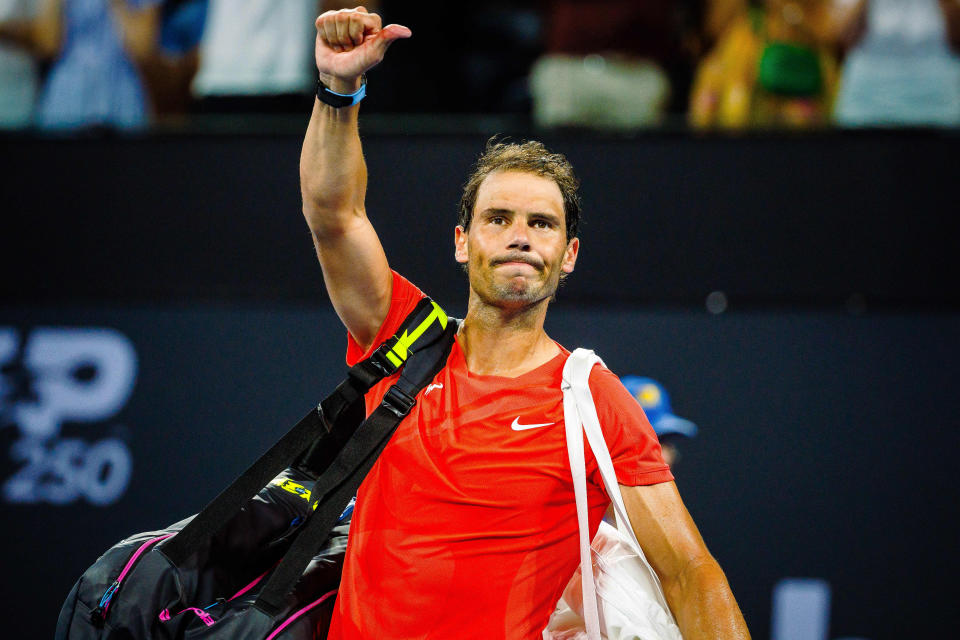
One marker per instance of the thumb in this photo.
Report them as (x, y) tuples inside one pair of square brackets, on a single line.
[(390, 33)]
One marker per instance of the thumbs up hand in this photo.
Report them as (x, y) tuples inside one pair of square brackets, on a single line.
[(349, 43)]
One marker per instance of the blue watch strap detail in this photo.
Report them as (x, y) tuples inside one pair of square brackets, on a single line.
[(337, 100)]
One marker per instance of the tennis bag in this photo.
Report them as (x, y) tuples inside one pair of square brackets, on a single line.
[(262, 561)]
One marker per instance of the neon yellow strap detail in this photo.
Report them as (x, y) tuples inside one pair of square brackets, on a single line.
[(294, 488), (398, 353)]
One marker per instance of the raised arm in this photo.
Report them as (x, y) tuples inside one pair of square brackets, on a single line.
[(696, 589), (333, 175)]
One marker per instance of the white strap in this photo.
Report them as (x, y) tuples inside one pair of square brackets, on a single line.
[(583, 414), (578, 470)]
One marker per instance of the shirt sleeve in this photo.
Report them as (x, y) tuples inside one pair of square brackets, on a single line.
[(404, 296), (633, 445)]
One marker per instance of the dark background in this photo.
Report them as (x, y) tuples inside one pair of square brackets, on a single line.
[(779, 219), (825, 393)]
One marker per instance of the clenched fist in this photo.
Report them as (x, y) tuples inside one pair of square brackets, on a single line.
[(350, 42)]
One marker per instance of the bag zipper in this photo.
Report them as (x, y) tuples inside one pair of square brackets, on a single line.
[(99, 614), (200, 613), (208, 620), (250, 586), (289, 620)]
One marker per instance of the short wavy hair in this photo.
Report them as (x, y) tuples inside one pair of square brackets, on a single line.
[(528, 157)]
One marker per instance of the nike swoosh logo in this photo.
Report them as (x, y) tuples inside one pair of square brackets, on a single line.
[(516, 426)]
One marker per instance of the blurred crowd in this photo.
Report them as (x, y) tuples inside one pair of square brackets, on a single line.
[(595, 64)]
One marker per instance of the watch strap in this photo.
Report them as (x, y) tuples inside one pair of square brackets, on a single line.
[(337, 100)]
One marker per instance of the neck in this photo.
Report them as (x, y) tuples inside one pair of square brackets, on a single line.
[(505, 342)]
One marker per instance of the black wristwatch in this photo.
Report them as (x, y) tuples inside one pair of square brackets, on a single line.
[(337, 100)]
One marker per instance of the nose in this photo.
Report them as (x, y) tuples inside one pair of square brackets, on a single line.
[(520, 241)]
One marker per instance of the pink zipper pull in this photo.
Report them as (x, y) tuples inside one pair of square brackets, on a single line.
[(206, 617), (200, 613)]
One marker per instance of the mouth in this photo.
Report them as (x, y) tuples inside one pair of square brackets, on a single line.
[(514, 260)]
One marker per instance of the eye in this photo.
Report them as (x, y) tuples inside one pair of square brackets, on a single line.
[(542, 224), (498, 220)]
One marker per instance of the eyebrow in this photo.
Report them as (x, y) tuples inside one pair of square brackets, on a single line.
[(494, 211), (498, 211)]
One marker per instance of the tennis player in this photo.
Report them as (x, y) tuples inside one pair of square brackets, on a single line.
[(466, 525)]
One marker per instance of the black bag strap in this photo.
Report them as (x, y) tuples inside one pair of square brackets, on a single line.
[(335, 416), (339, 483)]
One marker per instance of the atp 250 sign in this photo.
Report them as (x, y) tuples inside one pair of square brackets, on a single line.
[(52, 376)]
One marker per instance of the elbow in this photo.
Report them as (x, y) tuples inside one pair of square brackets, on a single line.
[(326, 222), (695, 572), (703, 604), (328, 208), (321, 211), (318, 218)]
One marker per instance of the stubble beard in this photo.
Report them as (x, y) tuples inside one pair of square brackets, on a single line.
[(515, 293)]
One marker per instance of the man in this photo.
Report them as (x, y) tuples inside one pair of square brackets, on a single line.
[(670, 428), (466, 526)]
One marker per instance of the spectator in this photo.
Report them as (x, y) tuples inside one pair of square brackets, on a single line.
[(257, 55), (95, 79), (18, 66), (951, 13), (774, 65), (612, 64), (902, 70), (719, 15), (670, 429), (170, 72)]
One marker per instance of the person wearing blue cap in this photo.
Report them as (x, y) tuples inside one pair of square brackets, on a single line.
[(655, 401)]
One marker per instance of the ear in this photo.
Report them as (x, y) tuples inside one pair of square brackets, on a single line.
[(570, 255), (460, 245)]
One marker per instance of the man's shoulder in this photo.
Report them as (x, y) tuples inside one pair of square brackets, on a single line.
[(404, 297), (606, 386), (403, 288)]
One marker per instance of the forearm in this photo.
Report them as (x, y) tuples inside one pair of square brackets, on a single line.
[(140, 30), (39, 34), (333, 175), (35, 35), (703, 604), (951, 13), (18, 32)]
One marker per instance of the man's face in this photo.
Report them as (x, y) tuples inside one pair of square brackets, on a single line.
[(670, 454), (517, 245)]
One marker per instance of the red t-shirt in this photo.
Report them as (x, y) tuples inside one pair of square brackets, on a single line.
[(466, 527)]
